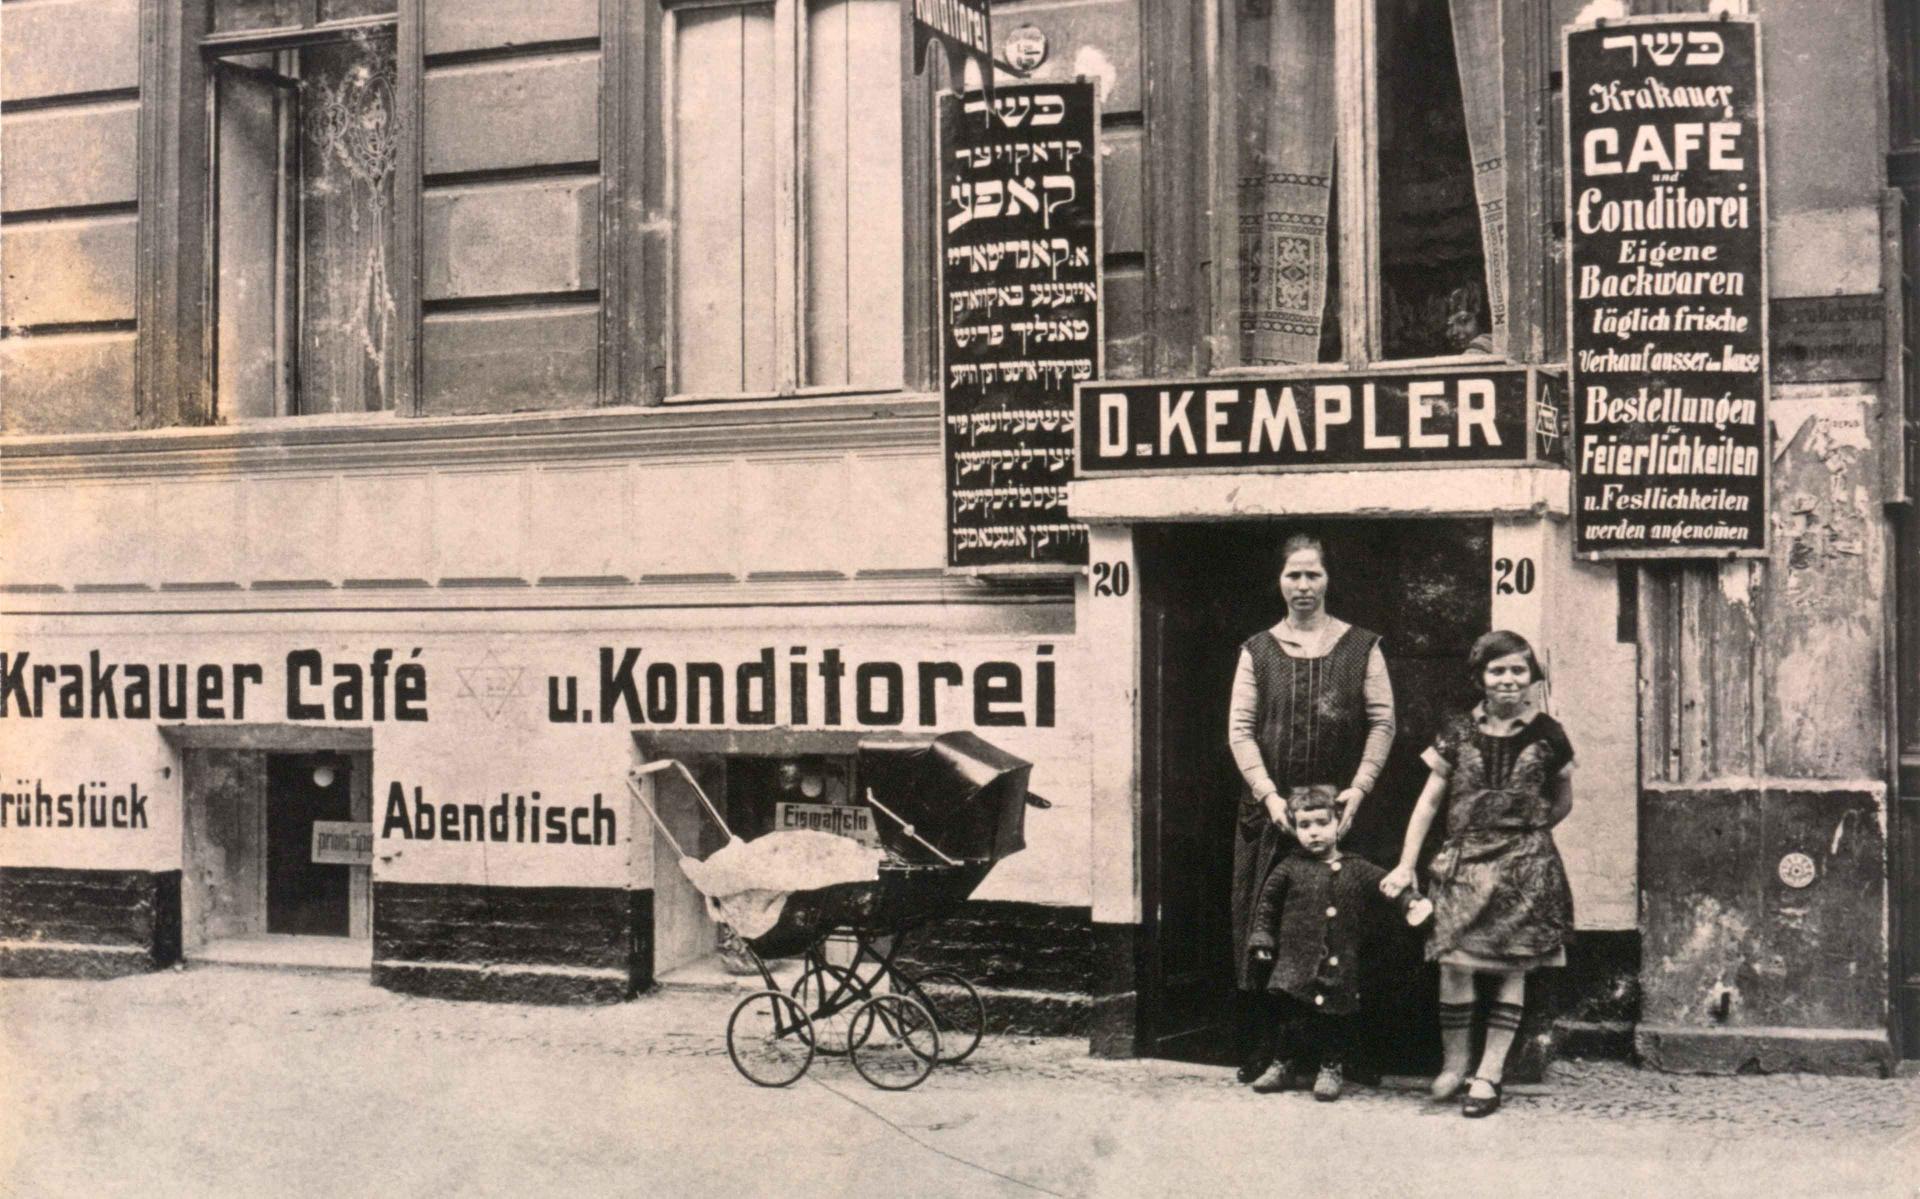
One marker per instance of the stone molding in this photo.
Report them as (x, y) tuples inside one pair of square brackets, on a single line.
[(303, 445)]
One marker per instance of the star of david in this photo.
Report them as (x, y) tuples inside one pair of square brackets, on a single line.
[(491, 684)]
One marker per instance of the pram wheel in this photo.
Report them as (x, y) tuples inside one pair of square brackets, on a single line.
[(958, 1011), (829, 994), (770, 1039), (893, 1042)]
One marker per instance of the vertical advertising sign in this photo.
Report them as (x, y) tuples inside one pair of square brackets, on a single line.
[(1019, 318), (1667, 289)]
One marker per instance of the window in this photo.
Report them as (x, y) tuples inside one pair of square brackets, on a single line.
[(788, 196), (1363, 161), (301, 215)]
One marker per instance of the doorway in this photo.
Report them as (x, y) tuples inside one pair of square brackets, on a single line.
[(277, 849), (306, 897), (1205, 588)]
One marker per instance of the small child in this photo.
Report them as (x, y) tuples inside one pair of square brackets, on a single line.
[(1307, 923)]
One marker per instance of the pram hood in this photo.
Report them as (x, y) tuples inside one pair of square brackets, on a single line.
[(963, 795)]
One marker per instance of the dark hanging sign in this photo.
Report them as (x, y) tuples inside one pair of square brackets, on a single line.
[(1019, 317), (1667, 288), (1315, 420), (964, 27)]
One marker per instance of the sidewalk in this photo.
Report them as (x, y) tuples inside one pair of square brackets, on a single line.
[(243, 1082)]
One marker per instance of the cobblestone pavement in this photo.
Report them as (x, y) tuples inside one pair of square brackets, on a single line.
[(216, 1082)]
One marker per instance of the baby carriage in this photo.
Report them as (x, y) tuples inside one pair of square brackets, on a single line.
[(945, 810)]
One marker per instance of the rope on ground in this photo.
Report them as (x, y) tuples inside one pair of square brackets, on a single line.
[(934, 1149)]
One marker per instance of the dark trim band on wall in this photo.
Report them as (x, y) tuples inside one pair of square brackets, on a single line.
[(67, 923), (513, 944)]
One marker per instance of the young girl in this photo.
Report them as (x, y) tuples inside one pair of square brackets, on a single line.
[(1501, 902)]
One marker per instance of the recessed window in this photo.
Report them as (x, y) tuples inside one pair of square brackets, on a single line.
[(303, 222), (1433, 239), (788, 196), (1365, 180)]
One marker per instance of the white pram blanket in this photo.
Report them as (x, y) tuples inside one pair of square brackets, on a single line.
[(746, 883)]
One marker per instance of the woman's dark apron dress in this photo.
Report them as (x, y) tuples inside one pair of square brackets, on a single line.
[(1312, 728)]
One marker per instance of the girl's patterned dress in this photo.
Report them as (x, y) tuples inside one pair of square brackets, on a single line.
[(1500, 894)]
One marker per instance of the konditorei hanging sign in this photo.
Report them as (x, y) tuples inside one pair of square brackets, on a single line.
[(964, 27), (1667, 288)]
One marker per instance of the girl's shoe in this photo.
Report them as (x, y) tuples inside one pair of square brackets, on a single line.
[(1250, 1070), (1473, 1107), (1446, 1085), (1328, 1085)]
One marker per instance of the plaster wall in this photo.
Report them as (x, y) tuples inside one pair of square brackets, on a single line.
[(300, 525)]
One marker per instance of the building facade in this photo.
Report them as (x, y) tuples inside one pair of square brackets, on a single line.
[(418, 414)]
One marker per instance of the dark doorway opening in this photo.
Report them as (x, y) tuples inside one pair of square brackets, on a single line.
[(303, 896), (1423, 586)]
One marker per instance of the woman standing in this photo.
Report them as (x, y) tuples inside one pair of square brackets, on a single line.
[(1312, 707), (1501, 902)]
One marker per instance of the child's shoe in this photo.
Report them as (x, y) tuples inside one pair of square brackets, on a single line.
[(1328, 1085), (1278, 1077)]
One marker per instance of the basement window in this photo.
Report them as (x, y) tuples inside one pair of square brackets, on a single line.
[(302, 214)]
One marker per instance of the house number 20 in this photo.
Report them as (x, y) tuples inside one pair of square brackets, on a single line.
[(1112, 578), (1512, 576)]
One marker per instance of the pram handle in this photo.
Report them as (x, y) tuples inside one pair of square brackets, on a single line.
[(656, 766)]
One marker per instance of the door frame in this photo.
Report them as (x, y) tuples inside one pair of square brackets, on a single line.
[(353, 743)]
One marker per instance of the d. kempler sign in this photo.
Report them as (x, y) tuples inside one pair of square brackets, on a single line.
[(1495, 414), (1667, 289)]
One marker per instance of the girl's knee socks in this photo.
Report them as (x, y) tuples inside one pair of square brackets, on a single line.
[(1503, 1022), (1456, 1035)]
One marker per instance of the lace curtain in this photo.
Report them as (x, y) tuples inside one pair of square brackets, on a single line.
[(1285, 183)]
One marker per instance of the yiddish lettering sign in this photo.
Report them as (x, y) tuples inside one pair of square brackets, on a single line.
[(1667, 291), (1020, 317)]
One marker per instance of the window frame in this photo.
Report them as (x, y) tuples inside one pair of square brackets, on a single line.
[(920, 297), (175, 358), (1527, 108)]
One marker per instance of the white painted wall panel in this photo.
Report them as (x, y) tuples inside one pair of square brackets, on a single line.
[(386, 527), (793, 515), (480, 524), (291, 528), (684, 519), (896, 508), (580, 522), (195, 531)]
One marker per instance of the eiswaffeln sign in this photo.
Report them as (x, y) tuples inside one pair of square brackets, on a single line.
[(1667, 289)]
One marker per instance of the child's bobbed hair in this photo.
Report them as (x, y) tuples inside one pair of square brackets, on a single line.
[(1313, 799), (1499, 644)]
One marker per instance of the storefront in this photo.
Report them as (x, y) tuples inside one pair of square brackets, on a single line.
[(655, 407), (451, 809), (1427, 545)]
